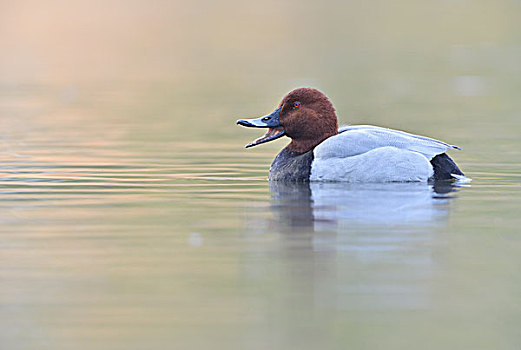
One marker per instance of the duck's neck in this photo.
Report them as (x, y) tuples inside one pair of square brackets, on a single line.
[(303, 145)]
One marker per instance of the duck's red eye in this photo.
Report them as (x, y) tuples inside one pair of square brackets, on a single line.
[(296, 105)]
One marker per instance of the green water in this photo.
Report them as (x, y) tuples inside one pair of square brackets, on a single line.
[(131, 216)]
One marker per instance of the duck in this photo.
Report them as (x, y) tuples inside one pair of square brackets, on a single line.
[(321, 151)]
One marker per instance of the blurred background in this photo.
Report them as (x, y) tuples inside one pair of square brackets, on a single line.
[(406, 64), (132, 217)]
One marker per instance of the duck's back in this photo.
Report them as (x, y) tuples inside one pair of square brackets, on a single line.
[(357, 139), (367, 153)]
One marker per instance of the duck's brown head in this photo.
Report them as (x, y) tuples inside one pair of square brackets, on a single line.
[(305, 115)]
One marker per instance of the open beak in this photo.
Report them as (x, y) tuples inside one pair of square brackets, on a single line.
[(271, 121)]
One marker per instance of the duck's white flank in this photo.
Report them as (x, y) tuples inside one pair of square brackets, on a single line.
[(365, 153)]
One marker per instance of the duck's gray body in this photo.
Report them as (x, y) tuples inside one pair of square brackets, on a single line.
[(366, 153)]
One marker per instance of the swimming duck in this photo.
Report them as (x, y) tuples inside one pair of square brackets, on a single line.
[(320, 151)]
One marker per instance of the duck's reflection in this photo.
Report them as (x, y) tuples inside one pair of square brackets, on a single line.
[(330, 206), (337, 250)]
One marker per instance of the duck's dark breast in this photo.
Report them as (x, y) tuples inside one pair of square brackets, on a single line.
[(291, 166), (444, 167)]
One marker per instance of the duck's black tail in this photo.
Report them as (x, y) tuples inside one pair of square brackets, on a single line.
[(444, 167)]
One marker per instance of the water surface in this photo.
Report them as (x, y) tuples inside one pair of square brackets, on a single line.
[(122, 231)]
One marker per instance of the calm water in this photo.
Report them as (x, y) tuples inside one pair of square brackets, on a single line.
[(131, 216), (123, 229)]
